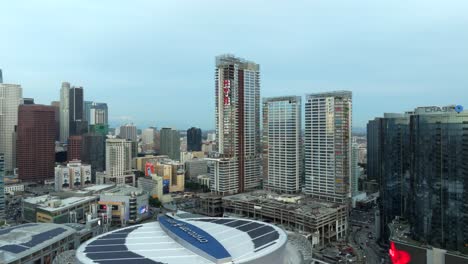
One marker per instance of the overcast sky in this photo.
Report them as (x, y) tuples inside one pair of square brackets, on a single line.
[(153, 61)]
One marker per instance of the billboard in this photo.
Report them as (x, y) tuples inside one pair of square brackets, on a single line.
[(143, 209), (76, 176), (65, 179), (149, 169), (166, 186), (87, 175), (406, 254)]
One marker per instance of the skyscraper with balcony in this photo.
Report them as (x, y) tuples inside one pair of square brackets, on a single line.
[(237, 101), (10, 99), (282, 139), (194, 139), (328, 145), (64, 112), (36, 142)]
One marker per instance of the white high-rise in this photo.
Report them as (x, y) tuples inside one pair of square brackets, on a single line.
[(10, 98), (328, 145), (282, 135), (237, 91), (64, 112), (118, 157)]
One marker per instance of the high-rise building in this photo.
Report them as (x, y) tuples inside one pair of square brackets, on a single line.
[(128, 131), (2, 185), (87, 111), (1, 76), (423, 174), (237, 91), (94, 152), (438, 179), (194, 139), (147, 136), (74, 148), (10, 99), (99, 114), (282, 135), (78, 125), (389, 160), (118, 157), (170, 143), (64, 112), (328, 145), (35, 142), (355, 170), (56, 106)]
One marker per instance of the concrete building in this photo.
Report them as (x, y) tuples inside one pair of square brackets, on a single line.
[(328, 221), (237, 103), (224, 178), (188, 156), (74, 175), (282, 143), (194, 139), (124, 204), (147, 140), (35, 145), (196, 167), (10, 98), (204, 179), (64, 112), (74, 148), (54, 209), (173, 175), (128, 131), (170, 143), (118, 156), (36, 243), (328, 145), (12, 189)]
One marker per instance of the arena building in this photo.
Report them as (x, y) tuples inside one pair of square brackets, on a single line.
[(193, 240)]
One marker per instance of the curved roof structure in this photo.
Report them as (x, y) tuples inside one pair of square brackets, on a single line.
[(194, 240)]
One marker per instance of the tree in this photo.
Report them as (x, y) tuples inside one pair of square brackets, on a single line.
[(154, 202)]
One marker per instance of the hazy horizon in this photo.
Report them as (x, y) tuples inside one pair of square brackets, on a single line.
[(153, 62)]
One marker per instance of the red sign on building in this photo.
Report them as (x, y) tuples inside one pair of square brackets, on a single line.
[(227, 92), (149, 169)]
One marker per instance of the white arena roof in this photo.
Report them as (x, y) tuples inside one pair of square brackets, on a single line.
[(194, 241)]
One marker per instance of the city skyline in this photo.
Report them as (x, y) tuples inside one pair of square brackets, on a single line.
[(382, 52)]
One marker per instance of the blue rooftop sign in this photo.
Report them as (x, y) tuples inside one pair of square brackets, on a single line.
[(195, 239)]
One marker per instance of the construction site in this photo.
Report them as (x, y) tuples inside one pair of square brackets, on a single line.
[(323, 222)]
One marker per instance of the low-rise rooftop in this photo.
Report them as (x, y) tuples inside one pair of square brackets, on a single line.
[(291, 202), (20, 241), (54, 203)]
